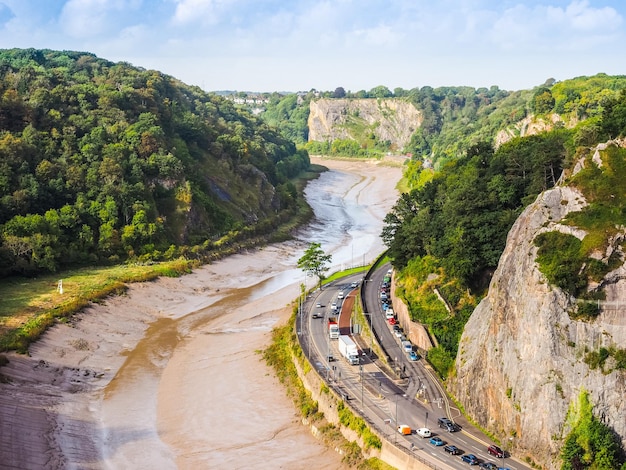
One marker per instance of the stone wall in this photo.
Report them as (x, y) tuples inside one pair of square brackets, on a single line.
[(327, 404)]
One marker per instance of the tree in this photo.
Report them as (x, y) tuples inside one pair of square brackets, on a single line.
[(339, 93), (315, 262)]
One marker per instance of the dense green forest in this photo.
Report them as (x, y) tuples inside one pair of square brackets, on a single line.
[(455, 222), (103, 161)]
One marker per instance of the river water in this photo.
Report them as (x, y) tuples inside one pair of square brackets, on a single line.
[(195, 391)]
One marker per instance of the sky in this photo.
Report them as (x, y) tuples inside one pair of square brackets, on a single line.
[(300, 45)]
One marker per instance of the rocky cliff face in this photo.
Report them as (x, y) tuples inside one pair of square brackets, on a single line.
[(532, 125), (520, 361), (390, 120)]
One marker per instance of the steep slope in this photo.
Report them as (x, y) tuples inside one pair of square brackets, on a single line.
[(104, 161), (525, 353), (391, 120)]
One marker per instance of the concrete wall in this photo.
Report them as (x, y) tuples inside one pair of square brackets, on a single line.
[(415, 332), (391, 454)]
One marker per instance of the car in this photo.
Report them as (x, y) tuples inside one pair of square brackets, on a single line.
[(334, 306), (385, 306), (447, 424), (354, 285), (405, 429), (470, 459), (413, 356), (319, 305), (392, 321), (436, 441), (495, 451), (423, 432), (383, 296), (452, 450), (317, 315), (398, 333), (407, 346), (489, 466), (340, 295)]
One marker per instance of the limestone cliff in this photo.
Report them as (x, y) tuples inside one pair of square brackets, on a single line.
[(520, 361), (392, 120), (532, 125)]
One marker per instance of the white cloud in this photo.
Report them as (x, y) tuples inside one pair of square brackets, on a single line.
[(200, 11), (89, 18), (579, 16)]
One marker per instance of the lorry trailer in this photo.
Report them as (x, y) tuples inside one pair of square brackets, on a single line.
[(348, 349)]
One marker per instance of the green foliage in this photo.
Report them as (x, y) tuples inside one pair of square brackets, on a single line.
[(560, 260), (441, 360), (565, 260), (314, 262), (543, 101), (290, 114), (590, 444), (462, 215), (599, 359), (358, 425), (280, 356), (102, 162)]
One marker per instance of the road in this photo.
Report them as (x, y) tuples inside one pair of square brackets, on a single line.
[(387, 388)]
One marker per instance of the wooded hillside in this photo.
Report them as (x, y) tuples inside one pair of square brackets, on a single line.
[(103, 161)]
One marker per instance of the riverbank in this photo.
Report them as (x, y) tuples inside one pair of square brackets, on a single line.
[(169, 375)]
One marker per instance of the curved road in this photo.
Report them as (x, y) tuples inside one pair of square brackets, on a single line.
[(388, 391)]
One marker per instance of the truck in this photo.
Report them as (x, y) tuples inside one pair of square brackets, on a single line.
[(348, 349), (333, 328)]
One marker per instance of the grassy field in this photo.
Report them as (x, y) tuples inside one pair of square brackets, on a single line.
[(29, 306)]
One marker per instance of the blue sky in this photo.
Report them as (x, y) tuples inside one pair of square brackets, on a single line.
[(293, 45)]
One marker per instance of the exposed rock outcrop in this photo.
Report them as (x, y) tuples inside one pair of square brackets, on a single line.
[(532, 125), (520, 361), (392, 120)]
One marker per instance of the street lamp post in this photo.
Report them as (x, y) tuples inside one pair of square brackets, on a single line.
[(361, 370)]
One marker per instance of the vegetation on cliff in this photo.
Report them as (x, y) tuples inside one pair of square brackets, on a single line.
[(590, 444), (101, 162), (455, 220)]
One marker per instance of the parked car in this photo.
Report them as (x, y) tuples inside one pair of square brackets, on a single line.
[(436, 441), (398, 333), (495, 451), (470, 459), (452, 450), (407, 346), (383, 296), (392, 321), (413, 356), (423, 432)]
